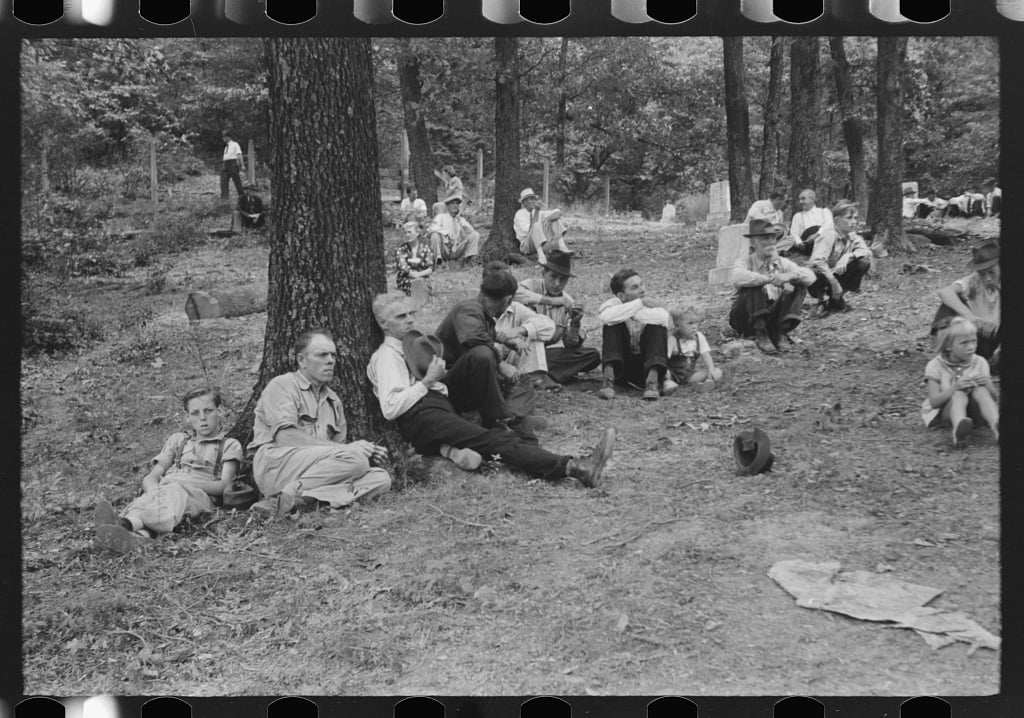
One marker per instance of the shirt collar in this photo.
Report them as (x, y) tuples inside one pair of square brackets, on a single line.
[(394, 343), (216, 437), (306, 385)]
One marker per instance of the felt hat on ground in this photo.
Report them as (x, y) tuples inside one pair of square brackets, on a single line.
[(985, 255), (559, 262), (526, 194), (752, 451), (419, 349), (809, 232), (240, 495), (454, 196), (764, 228)]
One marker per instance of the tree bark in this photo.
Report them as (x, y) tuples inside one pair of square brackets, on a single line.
[(326, 242), (737, 120), (805, 115), (770, 138), (886, 211), (563, 102), (501, 242), (853, 125), (421, 157)]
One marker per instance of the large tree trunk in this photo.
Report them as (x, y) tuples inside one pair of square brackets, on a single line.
[(560, 117), (770, 135), (886, 211), (501, 242), (737, 120), (853, 125), (805, 143), (326, 253), (421, 157)]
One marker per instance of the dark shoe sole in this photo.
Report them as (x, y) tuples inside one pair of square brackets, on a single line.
[(119, 539), (104, 514), (602, 454)]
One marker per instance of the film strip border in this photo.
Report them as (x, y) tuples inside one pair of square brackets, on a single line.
[(78, 17)]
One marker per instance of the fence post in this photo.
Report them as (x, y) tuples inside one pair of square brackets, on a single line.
[(607, 196), (405, 161), (252, 162), (545, 183), (479, 177), (152, 170)]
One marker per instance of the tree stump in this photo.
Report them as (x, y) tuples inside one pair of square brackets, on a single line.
[(212, 305)]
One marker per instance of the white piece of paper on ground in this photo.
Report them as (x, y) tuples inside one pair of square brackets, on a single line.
[(875, 597)]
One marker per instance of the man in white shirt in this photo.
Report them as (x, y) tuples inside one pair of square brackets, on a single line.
[(769, 209), (993, 197), (811, 220), (634, 337), (412, 203), (536, 228), (414, 397), (452, 236), (233, 166)]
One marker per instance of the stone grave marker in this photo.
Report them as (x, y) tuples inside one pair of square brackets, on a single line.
[(721, 207), (731, 245)]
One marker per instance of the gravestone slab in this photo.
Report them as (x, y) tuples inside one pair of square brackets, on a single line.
[(731, 246), (720, 207)]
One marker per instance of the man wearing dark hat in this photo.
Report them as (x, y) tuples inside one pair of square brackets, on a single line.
[(546, 294), (536, 227), (451, 235), (407, 372), (976, 298), (232, 167), (770, 291), (808, 223), (250, 208), (840, 259)]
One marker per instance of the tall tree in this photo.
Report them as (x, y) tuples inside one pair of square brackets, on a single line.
[(737, 120), (853, 125), (805, 143), (773, 101), (885, 215), (326, 256), (501, 242), (563, 101), (421, 158)]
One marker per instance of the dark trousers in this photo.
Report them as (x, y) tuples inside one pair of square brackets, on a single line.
[(432, 422), (752, 310), (230, 171), (633, 368), (472, 382), (565, 363), (849, 280), (987, 343)]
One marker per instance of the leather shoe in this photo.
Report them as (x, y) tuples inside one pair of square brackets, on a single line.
[(764, 342), (588, 471)]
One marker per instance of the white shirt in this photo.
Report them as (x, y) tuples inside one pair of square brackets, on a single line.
[(522, 222), (635, 315), (815, 216), (393, 384), (764, 209), (417, 205), (450, 227), (538, 326), (232, 151)]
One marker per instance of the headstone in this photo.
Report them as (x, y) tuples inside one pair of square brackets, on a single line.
[(420, 291), (731, 246), (910, 185), (668, 213), (720, 207)]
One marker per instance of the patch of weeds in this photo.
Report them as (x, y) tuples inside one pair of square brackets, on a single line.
[(56, 329), (132, 316), (156, 280)]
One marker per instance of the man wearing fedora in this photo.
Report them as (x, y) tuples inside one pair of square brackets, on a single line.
[(536, 227), (840, 260), (451, 235), (566, 355), (407, 372), (809, 221), (976, 298), (250, 208), (770, 291), (300, 437)]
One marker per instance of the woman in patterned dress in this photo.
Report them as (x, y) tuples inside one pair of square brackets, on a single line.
[(414, 258)]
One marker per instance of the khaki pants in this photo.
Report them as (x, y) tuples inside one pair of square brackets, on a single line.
[(162, 508), (338, 475), (541, 233), (466, 246)]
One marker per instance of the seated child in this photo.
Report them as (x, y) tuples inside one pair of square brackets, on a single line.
[(685, 346), (960, 388), (975, 298), (190, 469), (413, 258)]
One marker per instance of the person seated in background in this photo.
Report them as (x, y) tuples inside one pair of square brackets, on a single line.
[(808, 223), (976, 298), (414, 259), (566, 355), (769, 209), (452, 236), (634, 332), (993, 197), (250, 208), (536, 228), (959, 206), (840, 259), (412, 203), (931, 206), (910, 203), (452, 184), (976, 204), (770, 291)]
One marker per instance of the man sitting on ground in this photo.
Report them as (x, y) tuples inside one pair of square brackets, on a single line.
[(808, 224), (413, 396), (250, 208), (566, 355), (770, 291), (769, 209), (535, 228), (299, 434), (452, 236), (412, 203), (840, 259), (634, 337)]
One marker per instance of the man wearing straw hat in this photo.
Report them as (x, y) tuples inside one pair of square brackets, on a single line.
[(536, 227), (451, 235), (407, 372)]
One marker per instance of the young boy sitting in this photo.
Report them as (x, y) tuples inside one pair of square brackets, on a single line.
[(191, 468), (686, 344)]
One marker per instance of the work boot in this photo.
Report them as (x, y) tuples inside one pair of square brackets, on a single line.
[(588, 471), (607, 391), (651, 391), (764, 342), (118, 539), (668, 387), (465, 459)]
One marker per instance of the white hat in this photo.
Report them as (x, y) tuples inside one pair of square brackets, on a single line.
[(527, 193), (453, 196)]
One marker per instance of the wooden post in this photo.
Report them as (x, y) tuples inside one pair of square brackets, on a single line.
[(479, 177), (545, 183), (152, 170), (607, 195), (44, 168), (405, 161), (252, 162)]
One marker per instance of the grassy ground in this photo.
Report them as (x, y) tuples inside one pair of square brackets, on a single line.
[(490, 583)]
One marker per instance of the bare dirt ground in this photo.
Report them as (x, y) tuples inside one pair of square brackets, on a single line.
[(490, 583)]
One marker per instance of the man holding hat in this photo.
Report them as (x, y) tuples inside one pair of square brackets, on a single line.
[(566, 355), (807, 225), (451, 235), (976, 298), (536, 227), (840, 259), (770, 291), (232, 167), (407, 372)]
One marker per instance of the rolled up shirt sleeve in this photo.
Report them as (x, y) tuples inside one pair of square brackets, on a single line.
[(614, 311), (525, 295), (275, 410)]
